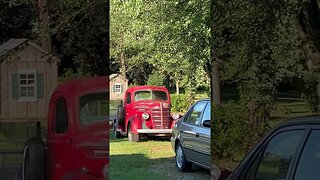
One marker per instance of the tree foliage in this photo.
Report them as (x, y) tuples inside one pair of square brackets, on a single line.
[(258, 46), (17, 18), (79, 29), (170, 38)]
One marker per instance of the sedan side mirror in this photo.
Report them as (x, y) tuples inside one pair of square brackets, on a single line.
[(206, 123)]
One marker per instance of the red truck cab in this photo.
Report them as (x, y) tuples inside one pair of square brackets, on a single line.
[(77, 134), (145, 112)]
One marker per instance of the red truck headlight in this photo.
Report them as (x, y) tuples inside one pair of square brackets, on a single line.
[(175, 116), (145, 116)]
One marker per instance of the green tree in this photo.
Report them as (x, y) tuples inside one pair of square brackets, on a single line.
[(12, 23), (258, 46), (79, 30)]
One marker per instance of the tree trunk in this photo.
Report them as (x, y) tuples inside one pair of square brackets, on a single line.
[(123, 65), (213, 66), (215, 85), (177, 87), (44, 23), (310, 50)]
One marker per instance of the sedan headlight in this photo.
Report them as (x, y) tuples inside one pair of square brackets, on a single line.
[(145, 116)]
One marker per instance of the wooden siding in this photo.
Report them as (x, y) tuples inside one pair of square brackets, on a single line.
[(15, 110), (118, 80)]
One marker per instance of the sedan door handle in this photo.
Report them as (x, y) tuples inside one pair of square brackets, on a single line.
[(189, 132), (197, 135)]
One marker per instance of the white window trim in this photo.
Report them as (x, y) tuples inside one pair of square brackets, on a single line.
[(28, 99), (115, 88)]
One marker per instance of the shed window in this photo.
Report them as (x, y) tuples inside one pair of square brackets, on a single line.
[(118, 88), (27, 85)]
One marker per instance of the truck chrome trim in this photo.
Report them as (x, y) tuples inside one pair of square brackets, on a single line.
[(155, 131)]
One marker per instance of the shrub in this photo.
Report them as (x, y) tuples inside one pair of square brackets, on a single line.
[(231, 133), (180, 103)]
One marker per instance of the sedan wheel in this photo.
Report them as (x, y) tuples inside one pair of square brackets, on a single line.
[(181, 162)]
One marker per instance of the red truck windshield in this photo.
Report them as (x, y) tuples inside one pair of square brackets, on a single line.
[(93, 108), (150, 95)]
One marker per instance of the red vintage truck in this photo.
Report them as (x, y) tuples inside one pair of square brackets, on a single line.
[(145, 112), (77, 134)]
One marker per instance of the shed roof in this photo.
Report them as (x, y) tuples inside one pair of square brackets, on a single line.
[(115, 75), (19, 44), (10, 45)]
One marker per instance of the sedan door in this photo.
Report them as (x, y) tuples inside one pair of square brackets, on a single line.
[(274, 158), (189, 127), (202, 140)]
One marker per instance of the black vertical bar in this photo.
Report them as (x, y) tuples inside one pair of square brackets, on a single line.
[(38, 129)]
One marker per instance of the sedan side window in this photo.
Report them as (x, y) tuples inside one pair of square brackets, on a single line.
[(207, 112), (275, 161), (194, 117), (309, 163)]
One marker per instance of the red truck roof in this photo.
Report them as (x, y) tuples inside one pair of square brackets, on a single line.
[(83, 84), (135, 88)]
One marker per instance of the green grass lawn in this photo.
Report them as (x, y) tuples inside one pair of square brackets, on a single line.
[(152, 159)]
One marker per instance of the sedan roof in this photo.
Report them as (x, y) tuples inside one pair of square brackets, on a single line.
[(305, 120)]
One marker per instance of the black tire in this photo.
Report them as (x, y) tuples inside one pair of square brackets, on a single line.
[(117, 134), (181, 162), (34, 166), (120, 115), (131, 136)]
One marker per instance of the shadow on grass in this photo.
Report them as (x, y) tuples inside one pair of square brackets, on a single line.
[(138, 166)]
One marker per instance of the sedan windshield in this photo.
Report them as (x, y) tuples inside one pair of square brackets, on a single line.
[(93, 108), (150, 95)]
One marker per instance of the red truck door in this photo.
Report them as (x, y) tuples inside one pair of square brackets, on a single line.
[(128, 108), (61, 156)]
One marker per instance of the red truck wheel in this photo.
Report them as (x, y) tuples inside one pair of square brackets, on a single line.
[(33, 167), (131, 136)]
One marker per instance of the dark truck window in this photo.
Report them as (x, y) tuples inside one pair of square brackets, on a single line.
[(61, 116), (150, 95), (93, 108), (128, 101)]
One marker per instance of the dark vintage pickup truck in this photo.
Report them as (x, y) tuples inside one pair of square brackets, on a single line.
[(76, 146)]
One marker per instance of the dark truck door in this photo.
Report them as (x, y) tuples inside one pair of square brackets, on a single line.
[(61, 154)]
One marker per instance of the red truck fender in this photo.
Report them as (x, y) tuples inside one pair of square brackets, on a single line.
[(135, 123)]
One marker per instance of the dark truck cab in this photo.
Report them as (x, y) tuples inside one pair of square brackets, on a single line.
[(145, 112), (77, 134)]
